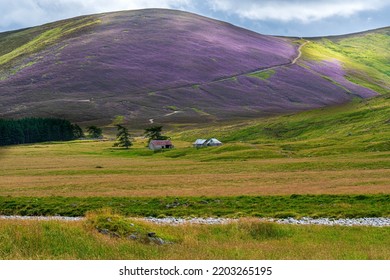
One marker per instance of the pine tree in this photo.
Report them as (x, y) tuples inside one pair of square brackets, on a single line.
[(33, 130), (77, 131), (94, 131), (123, 137), (154, 133)]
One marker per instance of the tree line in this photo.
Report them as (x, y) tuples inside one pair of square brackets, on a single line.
[(33, 130)]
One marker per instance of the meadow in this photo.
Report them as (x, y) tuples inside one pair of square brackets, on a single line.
[(245, 239), (332, 162), (96, 169)]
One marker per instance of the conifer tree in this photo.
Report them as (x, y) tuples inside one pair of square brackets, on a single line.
[(154, 133), (94, 131), (123, 137)]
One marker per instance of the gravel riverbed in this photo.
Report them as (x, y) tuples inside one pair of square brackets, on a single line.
[(372, 222)]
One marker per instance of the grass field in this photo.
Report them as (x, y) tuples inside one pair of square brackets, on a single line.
[(96, 169), (334, 206), (246, 239)]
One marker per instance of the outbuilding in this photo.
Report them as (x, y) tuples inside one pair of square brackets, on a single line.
[(156, 145), (213, 142), (199, 143)]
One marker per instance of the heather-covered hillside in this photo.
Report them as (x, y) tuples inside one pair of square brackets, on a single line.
[(172, 66)]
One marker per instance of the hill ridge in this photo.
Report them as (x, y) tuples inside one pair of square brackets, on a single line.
[(141, 64)]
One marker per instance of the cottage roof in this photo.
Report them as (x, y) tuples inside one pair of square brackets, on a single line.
[(200, 141), (214, 140), (161, 142)]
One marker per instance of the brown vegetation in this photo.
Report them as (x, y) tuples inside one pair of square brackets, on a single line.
[(74, 170)]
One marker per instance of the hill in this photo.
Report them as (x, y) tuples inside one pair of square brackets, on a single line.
[(362, 126), (175, 67)]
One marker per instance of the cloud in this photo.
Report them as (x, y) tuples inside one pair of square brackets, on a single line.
[(26, 13), (295, 10), (283, 14)]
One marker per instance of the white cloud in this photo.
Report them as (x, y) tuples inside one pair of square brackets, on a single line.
[(16, 14), (289, 10), (26, 13)]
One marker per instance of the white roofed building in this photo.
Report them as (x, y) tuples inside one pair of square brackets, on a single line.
[(199, 143), (213, 142)]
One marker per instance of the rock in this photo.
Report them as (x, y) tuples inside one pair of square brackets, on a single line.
[(104, 231), (157, 240), (132, 237), (114, 234)]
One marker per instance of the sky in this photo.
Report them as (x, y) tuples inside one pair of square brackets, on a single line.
[(302, 18)]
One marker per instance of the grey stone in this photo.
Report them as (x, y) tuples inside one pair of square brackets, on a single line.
[(104, 231)]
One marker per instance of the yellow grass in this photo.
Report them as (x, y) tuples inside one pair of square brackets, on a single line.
[(72, 240), (77, 169)]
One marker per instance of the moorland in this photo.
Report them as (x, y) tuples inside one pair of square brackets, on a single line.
[(305, 133)]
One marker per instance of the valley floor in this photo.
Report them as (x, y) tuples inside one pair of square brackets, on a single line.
[(237, 180), (85, 169)]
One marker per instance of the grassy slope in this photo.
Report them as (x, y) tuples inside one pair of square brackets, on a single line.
[(365, 56), (25, 43), (362, 126)]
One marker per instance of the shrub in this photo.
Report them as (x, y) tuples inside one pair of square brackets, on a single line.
[(107, 222), (264, 230)]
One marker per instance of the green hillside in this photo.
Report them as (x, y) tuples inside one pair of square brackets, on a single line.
[(22, 43), (365, 56), (361, 126)]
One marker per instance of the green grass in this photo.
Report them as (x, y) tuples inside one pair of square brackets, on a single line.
[(361, 126), (200, 112), (365, 57), (263, 75), (246, 239), (337, 206), (369, 49), (172, 108), (17, 44)]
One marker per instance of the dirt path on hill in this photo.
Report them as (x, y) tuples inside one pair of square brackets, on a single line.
[(221, 79), (292, 62), (253, 71), (299, 52)]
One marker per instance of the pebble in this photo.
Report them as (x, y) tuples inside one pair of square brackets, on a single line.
[(180, 221), (372, 222)]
